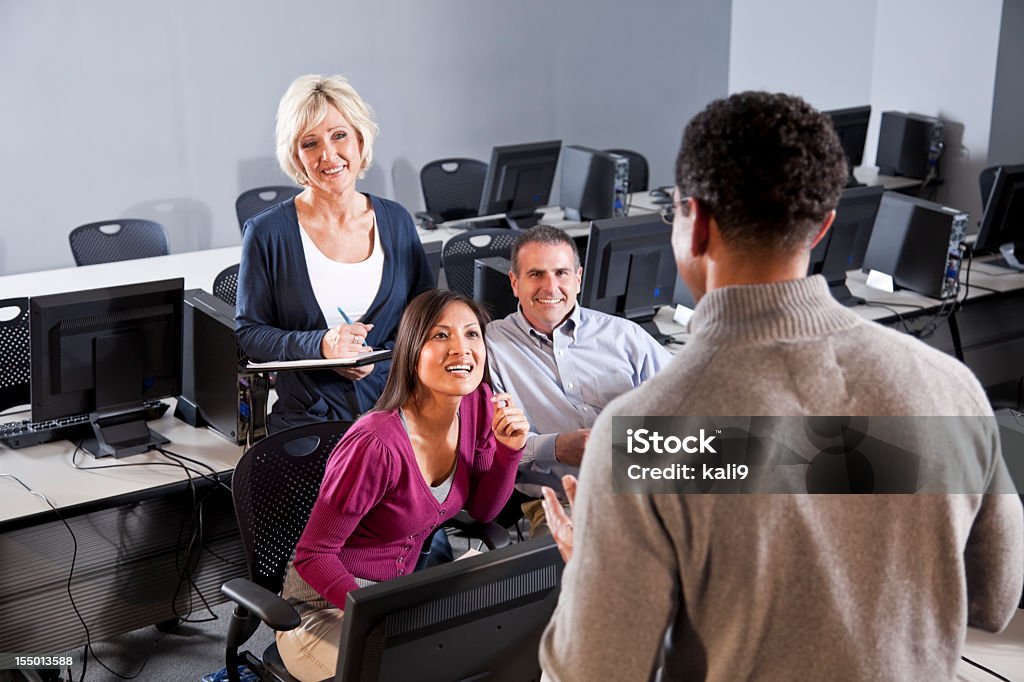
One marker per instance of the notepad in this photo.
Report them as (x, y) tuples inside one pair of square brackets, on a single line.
[(320, 363)]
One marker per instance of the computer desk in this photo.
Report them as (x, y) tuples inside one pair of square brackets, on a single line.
[(131, 525), (126, 521), (199, 268)]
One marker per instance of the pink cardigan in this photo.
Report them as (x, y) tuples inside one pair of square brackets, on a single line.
[(375, 511)]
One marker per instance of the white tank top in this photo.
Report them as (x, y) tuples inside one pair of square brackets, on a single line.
[(349, 286)]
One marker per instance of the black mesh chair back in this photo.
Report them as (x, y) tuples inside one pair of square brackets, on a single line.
[(14, 353), (253, 201), (274, 487), (225, 285), (986, 179), (452, 187), (460, 252), (117, 240), (638, 171)]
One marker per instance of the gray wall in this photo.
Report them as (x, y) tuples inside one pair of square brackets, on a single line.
[(938, 58), (821, 50), (1006, 143), (931, 57), (166, 110)]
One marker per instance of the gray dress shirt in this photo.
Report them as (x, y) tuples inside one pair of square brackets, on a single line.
[(564, 382)]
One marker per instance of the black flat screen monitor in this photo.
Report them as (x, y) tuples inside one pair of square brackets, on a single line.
[(519, 180), (1002, 225), (844, 245), (588, 184), (852, 128), (479, 618), (629, 269), (104, 352)]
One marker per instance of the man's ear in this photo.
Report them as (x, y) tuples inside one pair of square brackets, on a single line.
[(515, 283), (700, 232), (823, 230)]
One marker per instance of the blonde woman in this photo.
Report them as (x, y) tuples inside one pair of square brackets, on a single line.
[(328, 273)]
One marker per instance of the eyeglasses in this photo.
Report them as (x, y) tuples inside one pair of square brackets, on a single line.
[(668, 212)]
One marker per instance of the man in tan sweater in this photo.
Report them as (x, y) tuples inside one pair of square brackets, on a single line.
[(779, 587)]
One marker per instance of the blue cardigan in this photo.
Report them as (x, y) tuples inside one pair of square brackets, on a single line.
[(277, 316)]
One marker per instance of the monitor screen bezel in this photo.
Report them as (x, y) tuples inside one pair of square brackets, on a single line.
[(853, 120), (365, 608), (995, 228), (547, 153), (46, 312)]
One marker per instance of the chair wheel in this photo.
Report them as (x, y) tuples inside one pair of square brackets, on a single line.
[(169, 625)]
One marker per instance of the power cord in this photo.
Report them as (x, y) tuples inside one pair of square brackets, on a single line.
[(991, 672), (192, 551)]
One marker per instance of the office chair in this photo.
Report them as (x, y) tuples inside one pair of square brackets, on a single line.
[(274, 486), (986, 179), (14, 355), (460, 252), (117, 240), (225, 285), (638, 170), (253, 201), (451, 190)]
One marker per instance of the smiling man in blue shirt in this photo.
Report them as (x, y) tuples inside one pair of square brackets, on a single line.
[(562, 363)]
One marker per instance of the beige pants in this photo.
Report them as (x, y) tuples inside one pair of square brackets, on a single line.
[(310, 651), (534, 513)]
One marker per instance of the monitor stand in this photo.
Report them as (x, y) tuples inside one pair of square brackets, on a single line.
[(519, 220), (842, 294), (647, 324), (1010, 259), (121, 434)]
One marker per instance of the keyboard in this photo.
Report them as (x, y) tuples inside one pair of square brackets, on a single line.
[(25, 433)]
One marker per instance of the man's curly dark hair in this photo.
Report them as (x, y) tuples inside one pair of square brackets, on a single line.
[(768, 167)]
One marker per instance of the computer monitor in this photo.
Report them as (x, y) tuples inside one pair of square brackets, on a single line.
[(843, 246), (473, 619), (852, 128), (519, 180), (588, 183), (104, 352), (629, 269), (1002, 225)]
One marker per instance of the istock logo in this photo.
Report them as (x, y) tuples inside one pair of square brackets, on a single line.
[(642, 441)]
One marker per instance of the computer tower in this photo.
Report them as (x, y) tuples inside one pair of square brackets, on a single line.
[(588, 183), (908, 144), (216, 391), (917, 242), (433, 249), (492, 287)]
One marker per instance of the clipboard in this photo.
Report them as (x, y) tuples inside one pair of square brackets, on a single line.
[(320, 363)]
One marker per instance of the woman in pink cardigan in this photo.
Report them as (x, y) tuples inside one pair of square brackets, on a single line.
[(437, 442)]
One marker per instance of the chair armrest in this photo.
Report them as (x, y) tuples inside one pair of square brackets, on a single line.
[(264, 604), (491, 534), (429, 221)]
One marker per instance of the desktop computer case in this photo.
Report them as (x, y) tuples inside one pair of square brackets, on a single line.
[(216, 390), (908, 144), (492, 287), (917, 242)]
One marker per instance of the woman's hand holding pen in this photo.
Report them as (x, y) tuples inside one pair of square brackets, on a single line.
[(345, 340), (509, 423)]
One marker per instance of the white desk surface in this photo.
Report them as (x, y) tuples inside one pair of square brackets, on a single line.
[(47, 468), (199, 268), (1003, 653), (869, 175), (992, 277)]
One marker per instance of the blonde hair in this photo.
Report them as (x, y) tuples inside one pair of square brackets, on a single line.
[(304, 105)]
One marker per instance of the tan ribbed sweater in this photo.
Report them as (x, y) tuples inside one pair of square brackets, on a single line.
[(782, 587)]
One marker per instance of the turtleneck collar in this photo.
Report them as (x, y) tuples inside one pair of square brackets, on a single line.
[(765, 312)]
